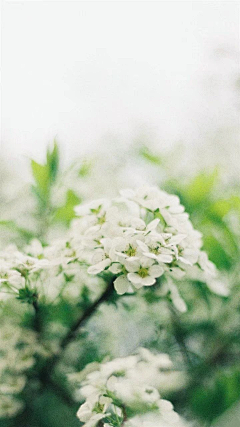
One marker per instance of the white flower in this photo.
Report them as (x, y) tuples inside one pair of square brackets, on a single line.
[(15, 360), (96, 207), (137, 238), (207, 266), (154, 247), (100, 261), (35, 248), (94, 420), (218, 287), (94, 409), (153, 419), (122, 285), (124, 379), (176, 298), (143, 271), (10, 276)]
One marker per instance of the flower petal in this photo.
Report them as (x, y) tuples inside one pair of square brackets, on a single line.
[(152, 225), (121, 284), (164, 258), (97, 268), (134, 278), (156, 271)]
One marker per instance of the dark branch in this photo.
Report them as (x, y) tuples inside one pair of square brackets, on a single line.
[(71, 334), (179, 336), (61, 392), (37, 317)]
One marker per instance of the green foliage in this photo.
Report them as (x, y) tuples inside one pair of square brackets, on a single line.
[(211, 325), (47, 179), (85, 169), (209, 209), (66, 212), (13, 227), (199, 188), (148, 155), (27, 295), (47, 409), (211, 399), (217, 252), (45, 175)]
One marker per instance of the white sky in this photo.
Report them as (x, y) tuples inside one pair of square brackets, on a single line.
[(80, 70)]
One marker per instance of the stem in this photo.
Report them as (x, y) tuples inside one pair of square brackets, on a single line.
[(71, 334), (61, 392), (37, 318), (179, 336), (124, 414)]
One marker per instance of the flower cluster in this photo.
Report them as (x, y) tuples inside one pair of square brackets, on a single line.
[(49, 272), (120, 393), (139, 237), (17, 348)]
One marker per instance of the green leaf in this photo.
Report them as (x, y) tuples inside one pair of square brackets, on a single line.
[(66, 212), (41, 177), (203, 292), (157, 214), (12, 226), (201, 186), (149, 156), (85, 169), (53, 161), (27, 295), (216, 252), (223, 207), (216, 395), (45, 175)]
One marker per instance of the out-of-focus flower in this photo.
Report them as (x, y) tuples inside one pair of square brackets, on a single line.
[(18, 347), (120, 393)]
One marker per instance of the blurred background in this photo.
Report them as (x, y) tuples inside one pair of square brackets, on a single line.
[(93, 72)]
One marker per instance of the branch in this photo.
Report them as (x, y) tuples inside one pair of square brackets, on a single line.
[(71, 334), (61, 392), (179, 336), (37, 318)]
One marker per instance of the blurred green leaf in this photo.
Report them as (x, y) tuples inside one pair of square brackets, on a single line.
[(45, 175), (203, 292), (216, 395), (41, 177), (12, 226), (216, 252), (66, 212), (222, 207), (53, 161), (85, 169), (198, 189), (149, 156)]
